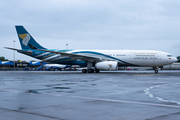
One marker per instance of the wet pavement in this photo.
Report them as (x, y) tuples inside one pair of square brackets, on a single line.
[(122, 95)]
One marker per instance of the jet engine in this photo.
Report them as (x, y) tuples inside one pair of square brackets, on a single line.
[(107, 65)]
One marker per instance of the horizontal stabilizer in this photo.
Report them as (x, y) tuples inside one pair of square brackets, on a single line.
[(28, 52)]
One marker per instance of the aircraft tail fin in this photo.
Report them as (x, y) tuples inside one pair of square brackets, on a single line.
[(26, 40)]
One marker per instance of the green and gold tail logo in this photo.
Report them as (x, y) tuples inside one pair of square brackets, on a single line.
[(25, 37), (22, 36)]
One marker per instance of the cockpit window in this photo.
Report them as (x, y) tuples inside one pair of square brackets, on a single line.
[(169, 55)]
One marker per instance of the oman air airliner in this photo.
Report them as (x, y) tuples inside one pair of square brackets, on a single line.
[(96, 59)]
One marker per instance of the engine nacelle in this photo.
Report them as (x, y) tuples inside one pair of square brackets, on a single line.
[(107, 65)]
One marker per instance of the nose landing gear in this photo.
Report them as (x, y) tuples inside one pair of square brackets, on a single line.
[(156, 70)]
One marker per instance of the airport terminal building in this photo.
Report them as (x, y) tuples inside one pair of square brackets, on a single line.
[(17, 65)]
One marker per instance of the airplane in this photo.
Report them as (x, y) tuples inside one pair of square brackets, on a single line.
[(93, 60), (55, 66)]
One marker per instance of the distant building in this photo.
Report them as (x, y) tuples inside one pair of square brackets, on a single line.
[(8, 65)]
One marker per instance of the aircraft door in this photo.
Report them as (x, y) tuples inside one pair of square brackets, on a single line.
[(158, 56), (131, 55)]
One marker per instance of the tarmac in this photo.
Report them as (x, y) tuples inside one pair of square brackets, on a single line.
[(72, 95)]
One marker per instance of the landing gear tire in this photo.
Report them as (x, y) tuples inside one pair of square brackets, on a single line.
[(156, 71), (90, 70), (84, 71), (97, 71)]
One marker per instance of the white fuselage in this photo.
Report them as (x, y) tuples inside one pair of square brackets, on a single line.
[(146, 58)]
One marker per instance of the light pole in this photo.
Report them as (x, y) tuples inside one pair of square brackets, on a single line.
[(67, 46), (14, 56)]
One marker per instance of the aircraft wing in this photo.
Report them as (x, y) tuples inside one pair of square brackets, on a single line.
[(62, 54), (75, 56), (28, 52)]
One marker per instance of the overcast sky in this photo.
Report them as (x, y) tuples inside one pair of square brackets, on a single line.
[(92, 24)]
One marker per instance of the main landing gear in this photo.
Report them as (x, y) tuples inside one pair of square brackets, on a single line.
[(90, 70), (87, 70), (84, 71)]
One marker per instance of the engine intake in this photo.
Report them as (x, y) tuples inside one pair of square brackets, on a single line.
[(107, 65)]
